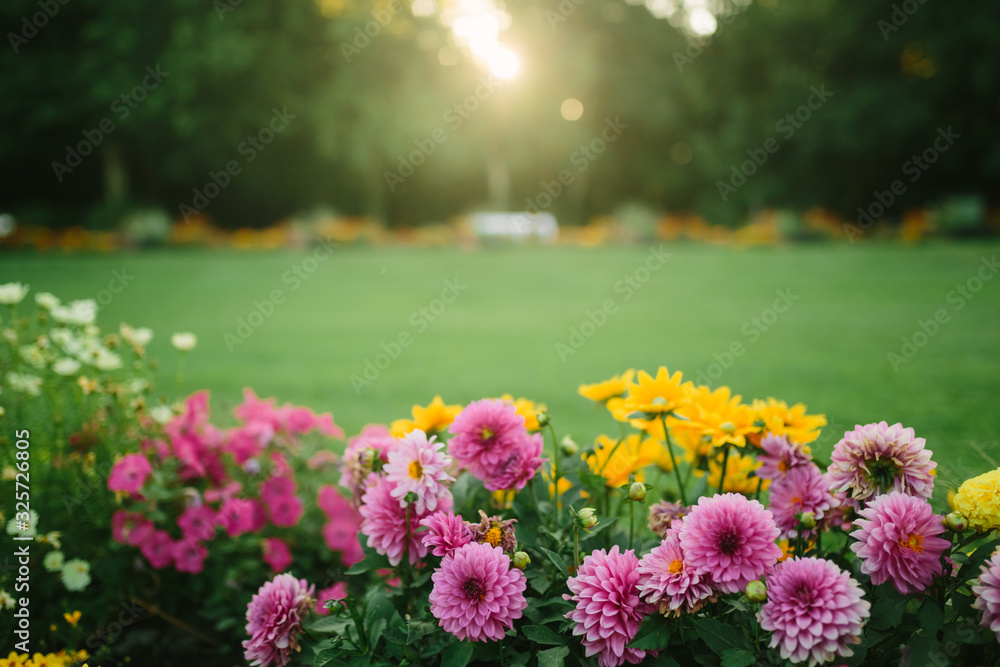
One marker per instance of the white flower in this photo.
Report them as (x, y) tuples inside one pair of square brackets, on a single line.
[(10, 335), (6, 600), (136, 337), (66, 366), (76, 575), (80, 313), (54, 538), (184, 341), (13, 293), (28, 384), (104, 359), (14, 529), (53, 561), (33, 355), (137, 385), (47, 300), (162, 414)]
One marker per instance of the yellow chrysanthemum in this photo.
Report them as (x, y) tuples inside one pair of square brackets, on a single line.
[(504, 499), (13, 660), (720, 416), (793, 422), (978, 500), (527, 408), (602, 391), (434, 418), (616, 461), (657, 395), (739, 474), (73, 618)]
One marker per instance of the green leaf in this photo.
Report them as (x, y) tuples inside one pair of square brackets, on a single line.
[(557, 561), (719, 636), (457, 655), (737, 657), (888, 612), (653, 634), (542, 635), (552, 657), (541, 582), (372, 562), (930, 618), (327, 657), (416, 629)]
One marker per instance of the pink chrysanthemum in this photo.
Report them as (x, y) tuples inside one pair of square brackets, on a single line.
[(667, 581), (418, 465), (130, 473), (987, 592), (446, 533), (731, 539), (277, 554), (274, 620), (487, 433), (341, 534), (477, 595), (608, 609), (897, 541), (802, 489), (663, 514), (814, 610), (374, 441), (384, 522), (875, 459), (519, 467), (779, 456)]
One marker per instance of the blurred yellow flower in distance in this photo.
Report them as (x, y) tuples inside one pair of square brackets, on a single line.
[(73, 618), (527, 409), (616, 461), (793, 422), (739, 474), (613, 388), (720, 415), (656, 395), (432, 419)]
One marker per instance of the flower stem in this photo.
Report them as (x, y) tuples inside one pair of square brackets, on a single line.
[(555, 464), (500, 644), (673, 461), (631, 523), (576, 546), (725, 460)]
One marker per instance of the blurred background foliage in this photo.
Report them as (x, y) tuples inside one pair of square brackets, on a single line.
[(694, 105)]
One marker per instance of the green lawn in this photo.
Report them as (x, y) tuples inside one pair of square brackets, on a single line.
[(850, 307)]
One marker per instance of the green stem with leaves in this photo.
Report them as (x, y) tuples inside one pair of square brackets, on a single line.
[(673, 460), (631, 523), (555, 464), (725, 461)]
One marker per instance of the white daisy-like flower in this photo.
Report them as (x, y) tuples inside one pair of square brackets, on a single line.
[(13, 293), (162, 413), (418, 465), (54, 538), (6, 600), (138, 337), (82, 312), (34, 355), (17, 528), (24, 383), (184, 341), (76, 575), (47, 300), (104, 359), (66, 366), (53, 561)]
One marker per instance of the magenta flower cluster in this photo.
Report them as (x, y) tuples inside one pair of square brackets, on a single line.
[(490, 439)]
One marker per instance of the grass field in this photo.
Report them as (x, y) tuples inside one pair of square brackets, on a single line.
[(850, 306)]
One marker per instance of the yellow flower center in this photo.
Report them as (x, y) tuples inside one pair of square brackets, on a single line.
[(493, 536), (416, 471), (676, 567), (915, 542), (486, 434)]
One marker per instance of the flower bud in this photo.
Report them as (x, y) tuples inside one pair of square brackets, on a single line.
[(807, 519), (569, 448), (411, 497), (367, 458), (543, 418), (587, 517), (955, 522), (521, 560), (756, 591), (637, 492)]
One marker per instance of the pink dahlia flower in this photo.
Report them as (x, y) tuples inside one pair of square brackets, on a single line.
[(814, 610), (277, 554), (779, 456), (519, 467), (495, 531), (189, 556), (384, 522), (897, 541), (477, 595), (446, 533), (608, 608), (356, 464), (731, 539), (336, 592), (487, 433), (274, 620), (802, 489), (663, 514), (987, 592), (417, 465), (197, 522), (130, 473), (875, 459), (667, 581)]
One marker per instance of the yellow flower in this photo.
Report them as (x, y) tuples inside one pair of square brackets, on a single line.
[(617, 460), (434, 418), (662, 394), (978, 500), (87, 385), (73, 618), (503, 499), (13, 660), (779, 419), (602, 391), (739, 474), (527, 409), (720, 416)]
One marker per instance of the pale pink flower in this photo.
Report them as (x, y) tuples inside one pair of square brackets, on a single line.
[(802, 489), (987, 592), (417, 465), (779, 456), (666, 581)]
